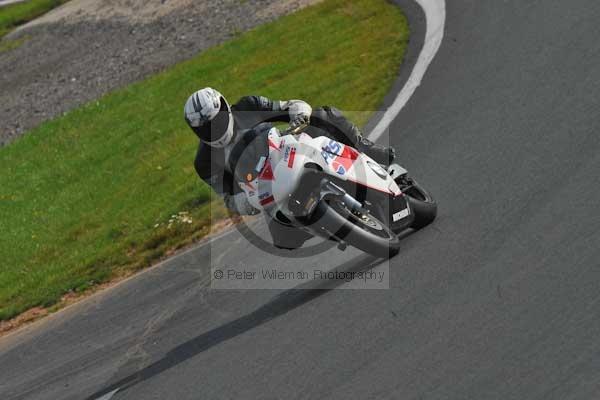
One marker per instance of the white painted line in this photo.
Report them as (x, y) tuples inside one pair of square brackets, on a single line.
[(7, 2), (108, 396), (435, 16)]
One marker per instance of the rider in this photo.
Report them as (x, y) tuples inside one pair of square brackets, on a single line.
[(221, 127)]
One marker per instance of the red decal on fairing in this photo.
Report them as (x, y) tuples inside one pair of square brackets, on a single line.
[(267, 172), (351, 153), (273, 145), (267, 200), (342, 163), (291, 159)]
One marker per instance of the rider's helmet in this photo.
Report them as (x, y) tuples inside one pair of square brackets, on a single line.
[(209, 115)]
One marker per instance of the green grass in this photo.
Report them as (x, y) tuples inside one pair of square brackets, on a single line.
[(80, 196), (17, 14)]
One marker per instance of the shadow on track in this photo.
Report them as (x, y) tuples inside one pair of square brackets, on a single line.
[(279, 305)]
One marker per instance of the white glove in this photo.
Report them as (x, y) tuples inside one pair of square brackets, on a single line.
[(299, 110), (239, 203)]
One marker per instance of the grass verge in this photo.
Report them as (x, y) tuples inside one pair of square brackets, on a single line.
[(8, 45), (17, 14), (110, 187)]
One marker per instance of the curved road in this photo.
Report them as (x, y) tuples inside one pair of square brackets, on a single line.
[(498, 299)]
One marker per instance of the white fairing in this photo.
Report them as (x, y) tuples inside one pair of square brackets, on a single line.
[(283, 169)]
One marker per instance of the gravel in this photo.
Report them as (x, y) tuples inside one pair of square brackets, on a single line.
[(74, 57)]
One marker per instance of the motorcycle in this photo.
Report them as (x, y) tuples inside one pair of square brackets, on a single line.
[(331, 190)]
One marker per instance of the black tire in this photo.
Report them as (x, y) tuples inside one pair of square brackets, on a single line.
[(335, 219), (422, 205)]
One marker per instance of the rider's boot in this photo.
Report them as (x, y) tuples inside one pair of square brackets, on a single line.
[(287, 237), (381, 154)]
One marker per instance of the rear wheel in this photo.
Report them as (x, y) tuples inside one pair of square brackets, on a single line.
[(421, 203), (358, 229)]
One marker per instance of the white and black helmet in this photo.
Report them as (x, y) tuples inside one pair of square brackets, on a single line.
[(209, 115)]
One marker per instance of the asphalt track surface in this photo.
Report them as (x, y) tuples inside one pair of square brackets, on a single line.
[(498, 299)]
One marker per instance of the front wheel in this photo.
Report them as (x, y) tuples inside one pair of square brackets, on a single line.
[(421, 203), (358, 229)]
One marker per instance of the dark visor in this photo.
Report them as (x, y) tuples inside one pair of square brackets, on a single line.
[(215, 129)]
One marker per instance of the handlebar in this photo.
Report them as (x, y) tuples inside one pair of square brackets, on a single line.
[(295, 130)]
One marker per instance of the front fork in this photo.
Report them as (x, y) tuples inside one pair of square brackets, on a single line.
[(303, 202)]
